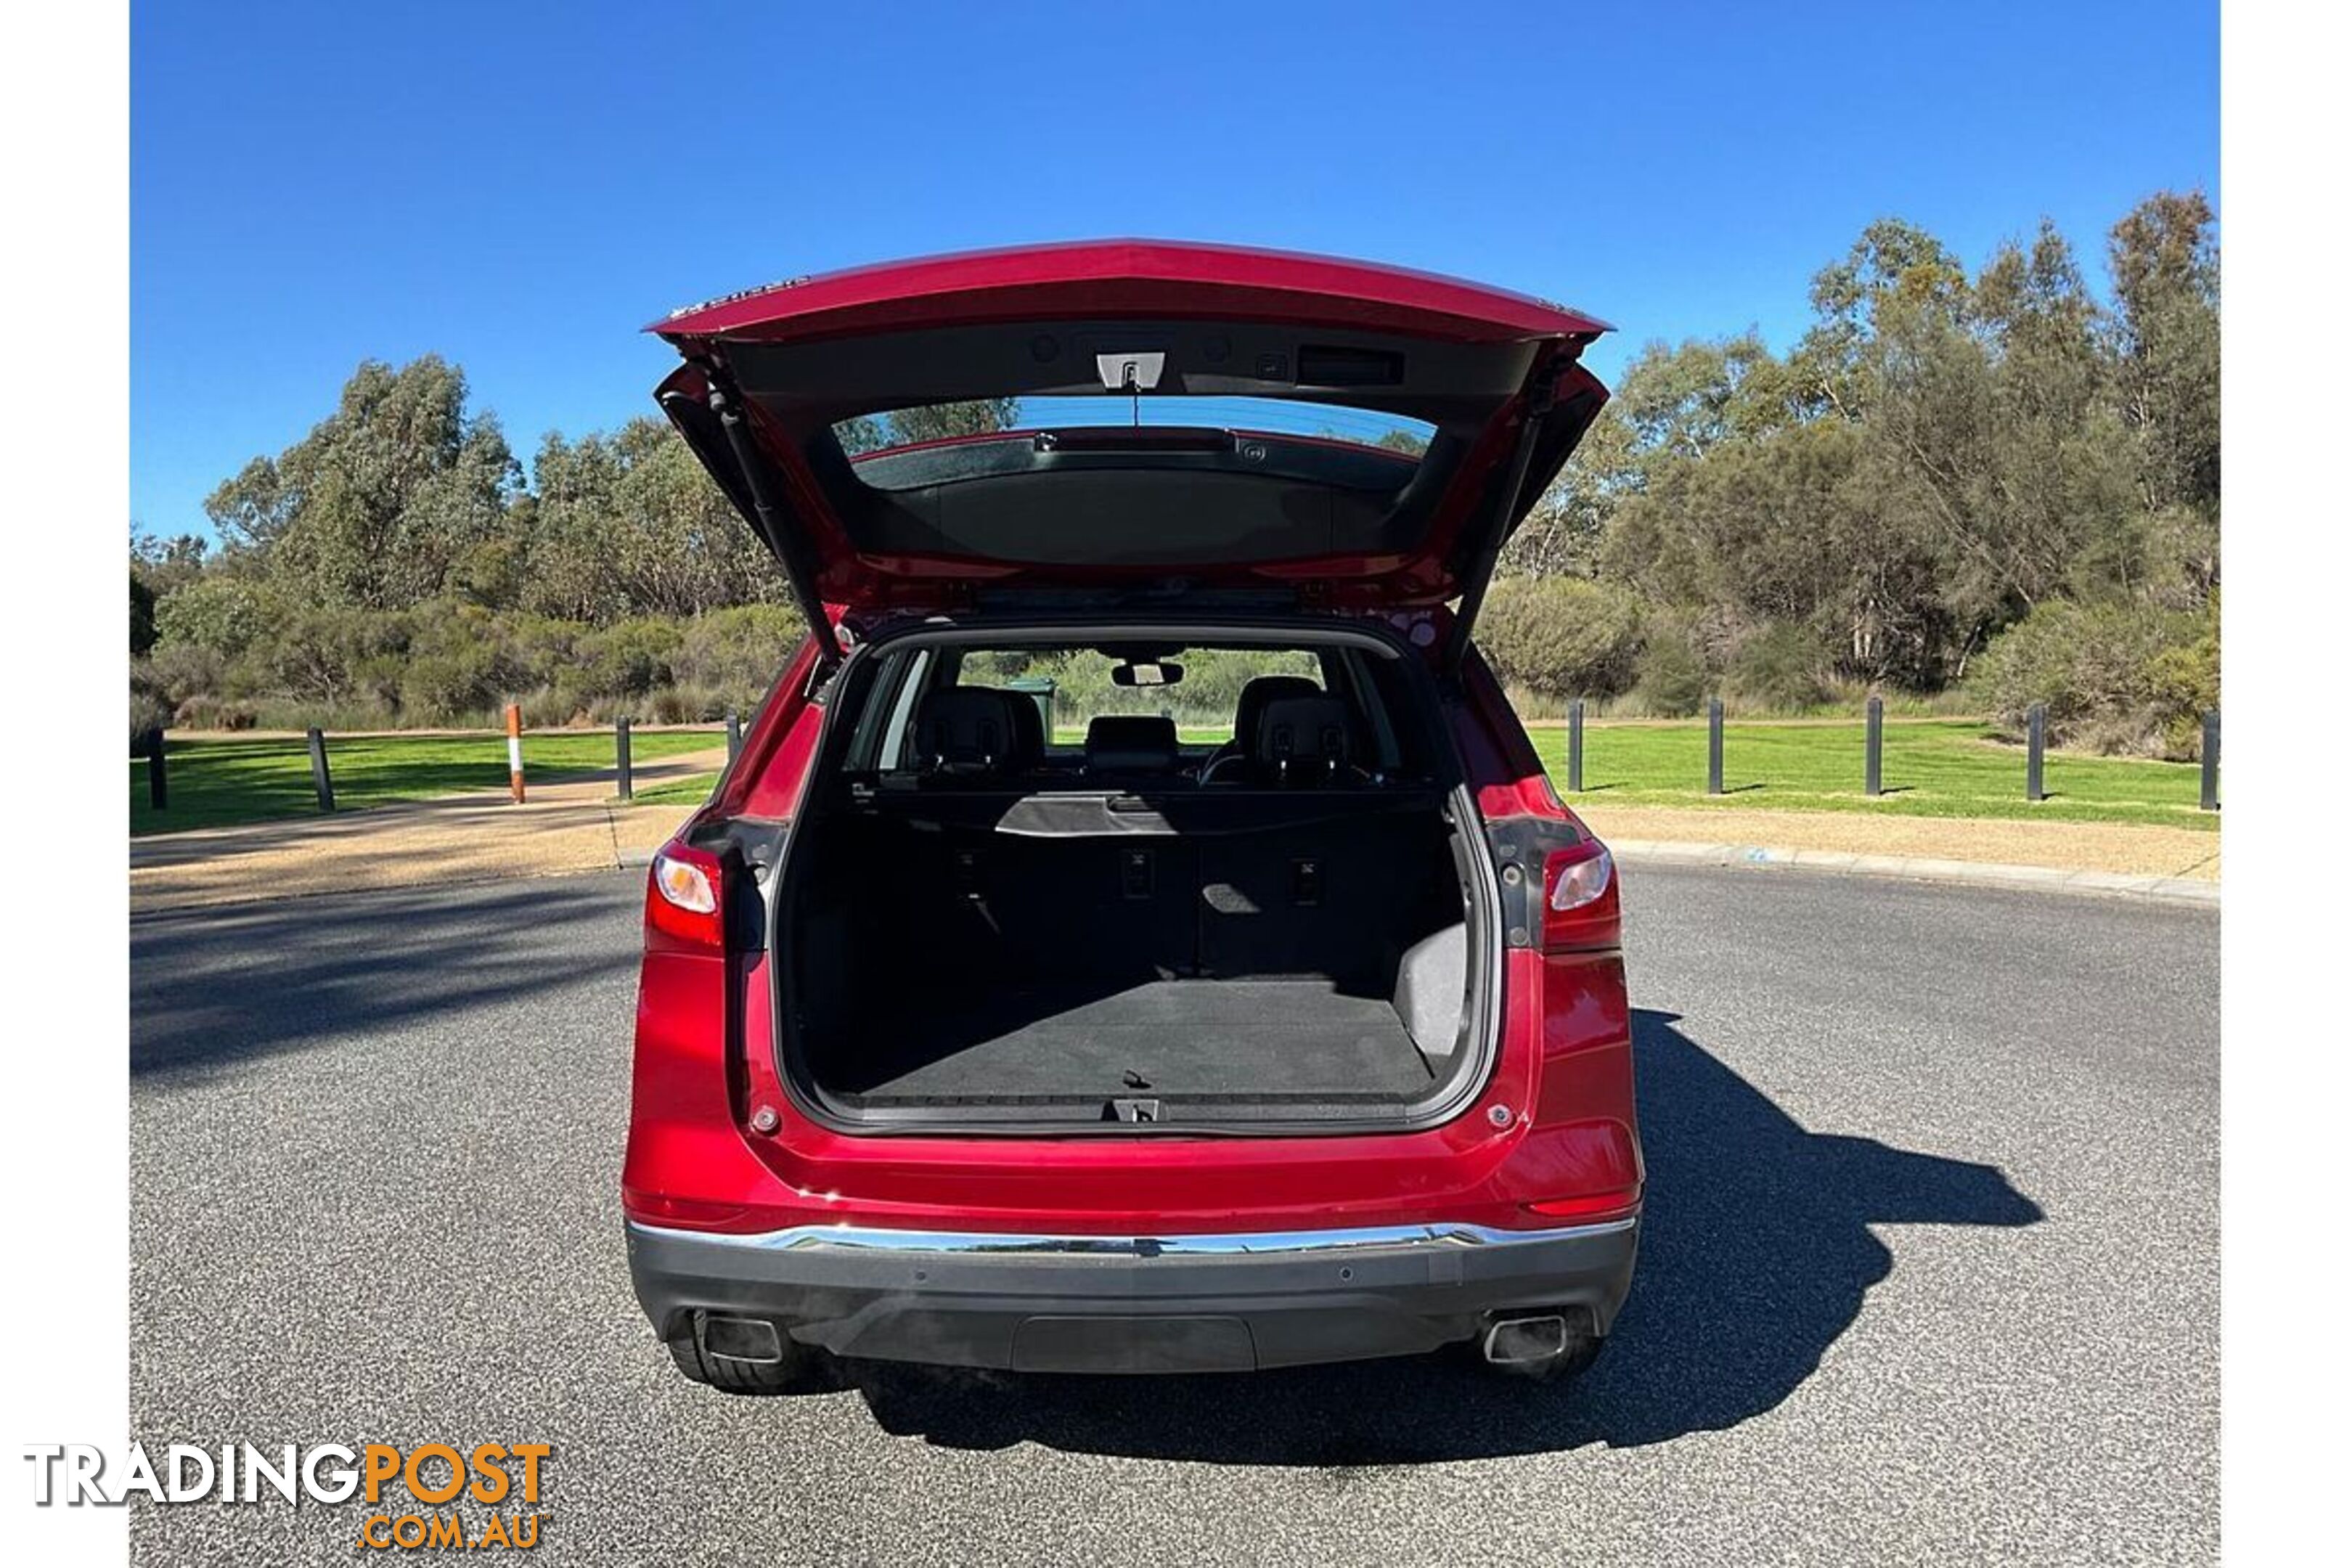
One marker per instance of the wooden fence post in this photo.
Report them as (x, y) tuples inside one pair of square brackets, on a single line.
[(621, 750)]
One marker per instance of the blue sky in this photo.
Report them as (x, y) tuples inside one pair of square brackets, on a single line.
[(522, 187)]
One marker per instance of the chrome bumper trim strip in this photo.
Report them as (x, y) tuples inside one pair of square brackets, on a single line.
[(1254, 1242)]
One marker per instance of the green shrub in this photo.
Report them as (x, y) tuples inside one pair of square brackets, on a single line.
[(462, 664), (322, 656), (186, 670), (217, 611), (1778, 668), (687, 705), (445, 688), (736, 654), (615, 666), (376, 679), (150, 703), (549, 709), (2113, 677), (142, 617), (292, 713), (1670, 679), (2184, 684), (210, 712), (1561, 637)]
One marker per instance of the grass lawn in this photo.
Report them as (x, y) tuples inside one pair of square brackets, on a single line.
[(1944, 767), (233, 779), (691, 790), (1931, 768)]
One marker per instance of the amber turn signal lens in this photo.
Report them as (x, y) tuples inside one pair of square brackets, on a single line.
[(684, 885)]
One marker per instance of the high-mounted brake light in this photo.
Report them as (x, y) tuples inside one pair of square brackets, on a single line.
[(682, 900)]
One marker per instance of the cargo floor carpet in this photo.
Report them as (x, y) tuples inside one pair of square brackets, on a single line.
[(1249, 1038)]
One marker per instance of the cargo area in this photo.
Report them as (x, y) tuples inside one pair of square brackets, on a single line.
[(1132, 928), (1303, 964)]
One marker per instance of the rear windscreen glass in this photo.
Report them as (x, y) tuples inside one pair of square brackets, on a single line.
[(984, 426)]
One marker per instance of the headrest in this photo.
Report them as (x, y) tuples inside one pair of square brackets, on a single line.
[(969, 729), (1028, 731), (1130, 744), (1306, 737), (1259, 691)]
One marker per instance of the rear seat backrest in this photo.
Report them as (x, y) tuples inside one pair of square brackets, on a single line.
[(1306, 741), (969, 732), (1263, 689), (1130, 744)]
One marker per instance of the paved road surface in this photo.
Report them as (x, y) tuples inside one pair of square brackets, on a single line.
[(1930, 1273)]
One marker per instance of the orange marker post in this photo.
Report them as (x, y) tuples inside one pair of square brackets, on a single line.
[(514, 749)]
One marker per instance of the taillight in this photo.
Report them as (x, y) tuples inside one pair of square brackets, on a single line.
[(682, 900), (1579, 897)]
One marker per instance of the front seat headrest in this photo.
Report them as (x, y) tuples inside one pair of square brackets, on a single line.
[(1131, 743), (967, 729), (1304, 740)]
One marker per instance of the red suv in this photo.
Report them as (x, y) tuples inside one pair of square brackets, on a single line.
[(1137, 935)]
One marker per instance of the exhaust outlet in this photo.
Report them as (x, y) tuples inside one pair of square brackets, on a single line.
[(1519, 1341), (751, 1340)]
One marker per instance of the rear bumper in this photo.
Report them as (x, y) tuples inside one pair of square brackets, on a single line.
[(1198, 1303)]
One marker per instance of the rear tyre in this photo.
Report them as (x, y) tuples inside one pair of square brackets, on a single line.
[(802, 1370)]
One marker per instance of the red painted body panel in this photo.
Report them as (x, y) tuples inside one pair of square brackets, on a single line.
[(1563, 1074), (694, 1163), (1132, 280), (1127, 278), (705, 1067)]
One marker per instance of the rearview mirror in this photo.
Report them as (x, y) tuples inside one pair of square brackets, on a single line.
[(1152, 672)]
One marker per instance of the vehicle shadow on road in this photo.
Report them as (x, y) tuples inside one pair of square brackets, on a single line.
[(1756, 1256), (212, 988)]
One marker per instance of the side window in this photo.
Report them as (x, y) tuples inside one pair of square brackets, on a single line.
[(894, 704), (1378, 687)]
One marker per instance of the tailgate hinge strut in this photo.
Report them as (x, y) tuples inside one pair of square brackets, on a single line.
[(727, 402), (1535, 410)]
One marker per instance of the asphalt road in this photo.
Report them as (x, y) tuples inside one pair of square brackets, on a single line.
[(1930, 1273)]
